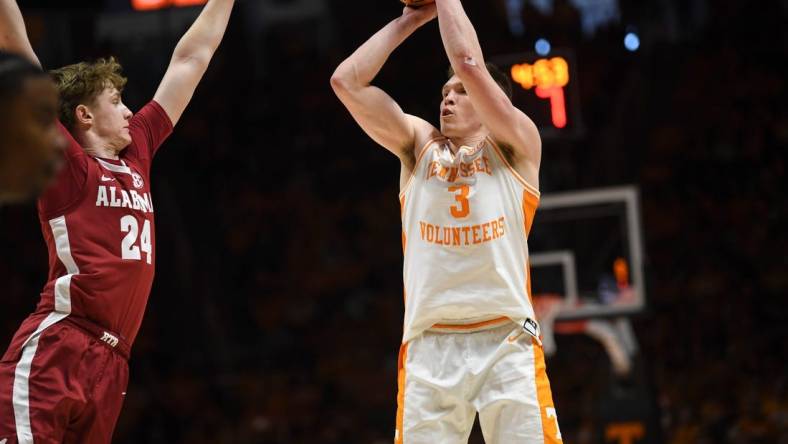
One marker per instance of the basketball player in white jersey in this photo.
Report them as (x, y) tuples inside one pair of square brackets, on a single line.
[(468, 196)]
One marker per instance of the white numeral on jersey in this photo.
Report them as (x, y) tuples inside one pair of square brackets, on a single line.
[(551, 413), (128, 249)]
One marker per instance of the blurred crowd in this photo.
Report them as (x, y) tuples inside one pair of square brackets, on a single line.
[(276, 312)]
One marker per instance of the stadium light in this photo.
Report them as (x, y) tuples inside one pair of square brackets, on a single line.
[(542, 47), (631, 42)]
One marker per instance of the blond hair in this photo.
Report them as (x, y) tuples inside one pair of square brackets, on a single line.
[(81, 83)]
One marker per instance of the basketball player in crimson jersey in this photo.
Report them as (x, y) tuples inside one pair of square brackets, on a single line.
[(64, 376), (468, 196)]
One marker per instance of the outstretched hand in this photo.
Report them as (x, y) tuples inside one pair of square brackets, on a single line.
[(422, 14)]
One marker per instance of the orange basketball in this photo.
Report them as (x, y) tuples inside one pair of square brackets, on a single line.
[(417, 3)]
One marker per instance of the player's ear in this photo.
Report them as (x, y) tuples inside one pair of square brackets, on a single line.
[(82, 115)]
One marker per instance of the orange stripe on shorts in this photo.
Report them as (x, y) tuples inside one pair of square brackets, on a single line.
[(544, 395), (403, 357)]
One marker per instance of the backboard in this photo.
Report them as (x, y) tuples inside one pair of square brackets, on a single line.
[(587, 248)]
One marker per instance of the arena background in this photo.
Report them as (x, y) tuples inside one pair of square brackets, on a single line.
[(276, 312)]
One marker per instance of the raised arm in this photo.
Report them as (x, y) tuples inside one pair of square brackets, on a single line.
[(374, 110), (13, 36), (191, 58), (507, 124)]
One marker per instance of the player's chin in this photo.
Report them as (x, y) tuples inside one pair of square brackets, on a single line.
[(44, 176), (26, 191), (124, 139), (448, 130), (26, 184), (15, 196)]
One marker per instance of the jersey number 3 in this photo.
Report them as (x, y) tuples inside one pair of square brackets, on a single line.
[(463, 207), (129, 248)]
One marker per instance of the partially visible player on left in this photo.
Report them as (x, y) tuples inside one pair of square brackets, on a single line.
[(64, 376), (31, 144)]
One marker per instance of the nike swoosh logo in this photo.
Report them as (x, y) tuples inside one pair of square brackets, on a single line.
[(103, 179)]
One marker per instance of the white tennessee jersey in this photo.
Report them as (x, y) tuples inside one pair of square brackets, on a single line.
[(465, 224)]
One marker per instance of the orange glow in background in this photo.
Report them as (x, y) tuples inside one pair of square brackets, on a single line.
[(548, 77)]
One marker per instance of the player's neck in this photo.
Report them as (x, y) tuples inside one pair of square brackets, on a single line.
[(472, 140), (96, 146)]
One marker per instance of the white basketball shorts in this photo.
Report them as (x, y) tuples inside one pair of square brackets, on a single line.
[(445, 378)]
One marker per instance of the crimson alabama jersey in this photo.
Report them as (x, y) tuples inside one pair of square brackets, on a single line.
[(98, 224)]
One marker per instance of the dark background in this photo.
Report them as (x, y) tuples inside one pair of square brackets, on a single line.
[(276, 313)]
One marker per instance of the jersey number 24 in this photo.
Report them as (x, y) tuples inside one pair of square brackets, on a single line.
[(128, 247)]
